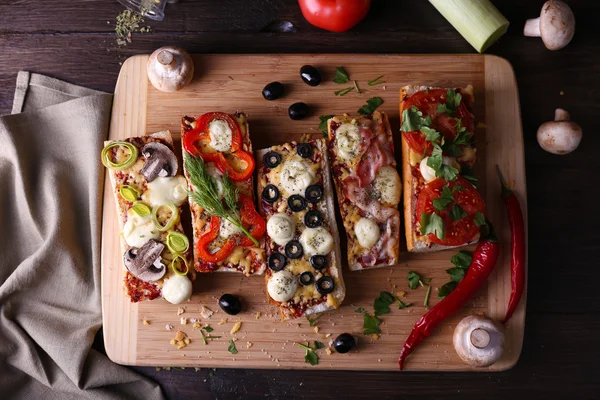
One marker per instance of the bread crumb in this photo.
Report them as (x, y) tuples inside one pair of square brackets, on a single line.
[(206, 312), (184, 321), (169, 327), (167, 368), (248, 345), (223, 321), (257, 314), (146, 322), (181, 340), (375, 336), (316, 329), (187, 340), (328, 335), (158, 368), (197, 369), (179, 335), (562, 93), (180, 310), (401, 293), (196, 325), (236, 327), (328, 351)]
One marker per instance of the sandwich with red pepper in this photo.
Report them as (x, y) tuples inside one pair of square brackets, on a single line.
[(219, 167), (302, 242), (442, 207)]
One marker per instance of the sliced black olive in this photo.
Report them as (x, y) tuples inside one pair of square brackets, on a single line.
[(273, 91), (230, 304), (313, 219), (270, 194), (318, 261), (277, 261), (272, 159), (304, 150), (310, 75), (296, 203), (314, 193), (298, 111), (293, 249), (344, 343), (306, 278), (325, 285)]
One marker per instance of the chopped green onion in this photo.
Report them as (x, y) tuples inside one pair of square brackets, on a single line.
[(376, 81), (172, 220), (108, 163), (141, 209), (343, 92), (176, 265), (478, 21), (356, 86), (129, 193), (177, 242)]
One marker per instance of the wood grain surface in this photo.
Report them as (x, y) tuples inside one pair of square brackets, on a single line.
[(72, 41)]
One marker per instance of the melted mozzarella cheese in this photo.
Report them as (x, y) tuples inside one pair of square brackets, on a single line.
[(228, 229), (220, 135), (213, 171), (282, 285), (166, 190), (295, 177), (316, 241), (387, 185), (138, 230), (427, 172), (281, 228), (177, 289), (347, 141), (367, 232)]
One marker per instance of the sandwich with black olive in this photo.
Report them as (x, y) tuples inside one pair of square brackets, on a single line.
[(149, 192), (304, 274)]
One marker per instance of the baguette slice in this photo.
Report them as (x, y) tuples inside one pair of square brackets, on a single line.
[(247, 260), (411, 183), (136, 289), (368, 188), (306, 300)]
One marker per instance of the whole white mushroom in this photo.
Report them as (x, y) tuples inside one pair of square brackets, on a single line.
[(478, 340), (556, 25), (170, 68), (560, 136)]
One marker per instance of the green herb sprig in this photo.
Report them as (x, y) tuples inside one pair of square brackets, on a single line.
[(371, 106), (340, 76), (370, 322), (461, 262), (383, 302)]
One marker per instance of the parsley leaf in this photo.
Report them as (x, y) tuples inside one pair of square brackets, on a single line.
[(412, 120), (433, 223), (457, 212), (340, 76), (435, 159), (370, 323), (479, 219), (383, 302), (446, 289), (311, 357), (456, 273), (343, 92), (323, 123), (467, 173), (313, 321), (462, 259), (463, 136), (447, 173), (402, 305), (443, 108), (431, 134), (444, 200), (319, 345), (453, 150), (208, 328), (415, 279), (453, 98), (232, 349), (371, 106)]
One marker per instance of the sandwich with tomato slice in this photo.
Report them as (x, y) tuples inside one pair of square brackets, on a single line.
[(219, 166), (442, 207)]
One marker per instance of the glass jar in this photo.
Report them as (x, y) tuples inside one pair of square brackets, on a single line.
[(153, 9)]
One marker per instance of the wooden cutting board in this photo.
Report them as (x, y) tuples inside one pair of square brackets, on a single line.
[(234, 82)]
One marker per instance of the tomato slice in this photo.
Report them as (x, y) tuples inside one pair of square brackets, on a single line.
[(462, 230)]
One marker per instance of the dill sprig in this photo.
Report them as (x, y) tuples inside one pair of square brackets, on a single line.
[(206, 194)]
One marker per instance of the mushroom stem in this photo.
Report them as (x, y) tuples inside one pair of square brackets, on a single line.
[(561, 115), (165, 57), (480, 338), (532, 28)]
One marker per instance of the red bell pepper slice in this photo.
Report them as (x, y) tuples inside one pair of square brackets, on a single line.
[(256, 225), (208, 237)]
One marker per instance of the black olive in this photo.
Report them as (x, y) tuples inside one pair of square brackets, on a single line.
[(306, 278), (270, 194), (273, 91), (304, 150), (298, 111), (314, 193), (277, 261), (344, 343), (313, 219), (272, 159), (325, 285), (293, 249), (318, 261), (310, 75), (296, 203), (230, 304)]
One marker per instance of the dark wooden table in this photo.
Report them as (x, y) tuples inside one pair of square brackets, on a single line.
[(74, 41)]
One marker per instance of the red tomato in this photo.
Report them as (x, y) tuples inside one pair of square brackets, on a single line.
[(334, 15), (462, 230)]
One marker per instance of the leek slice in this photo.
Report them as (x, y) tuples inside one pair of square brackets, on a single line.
[(478, 21), (108, 163), (176, 265), (172, 220), (129, 193), (141, 209), (177, 242)]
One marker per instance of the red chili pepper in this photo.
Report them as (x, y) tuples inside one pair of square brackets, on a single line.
[(484, 261), (517, 243)]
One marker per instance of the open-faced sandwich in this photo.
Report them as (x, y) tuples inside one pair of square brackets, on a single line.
[(219, 166), (149, 192), (442, 208), (368, 188), (304, 275)]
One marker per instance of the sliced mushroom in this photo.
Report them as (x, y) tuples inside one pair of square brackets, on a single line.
[(160, 161), (145, 263), (479, 341)]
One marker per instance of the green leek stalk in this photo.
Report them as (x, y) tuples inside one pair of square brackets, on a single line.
[(478, 21)]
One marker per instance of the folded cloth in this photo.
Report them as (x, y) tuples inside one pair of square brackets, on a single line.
[(50, 202)]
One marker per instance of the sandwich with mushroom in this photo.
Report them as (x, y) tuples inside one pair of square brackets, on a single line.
[(149, 192), (304, 274), (219, 166)]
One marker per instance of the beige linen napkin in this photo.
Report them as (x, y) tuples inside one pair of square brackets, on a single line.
[(50, 194)]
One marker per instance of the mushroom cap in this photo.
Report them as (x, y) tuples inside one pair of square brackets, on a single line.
[(559, 137), (160, 161), (145, 263), (557, 24), (478, 340), (170, 68)]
